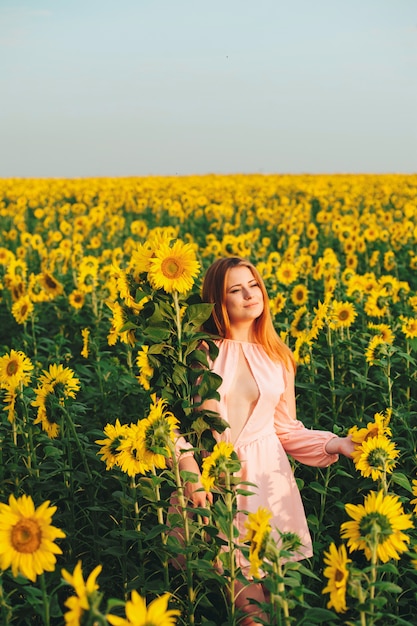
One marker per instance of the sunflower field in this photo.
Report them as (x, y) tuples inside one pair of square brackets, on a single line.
[(100, 366)]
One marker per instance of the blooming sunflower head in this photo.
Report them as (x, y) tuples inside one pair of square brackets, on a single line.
[(15, 370), (375, 457), (337, 573), (27, 537), (377, 526), (173, 267)]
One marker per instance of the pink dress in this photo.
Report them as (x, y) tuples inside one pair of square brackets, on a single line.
[(270, 433)]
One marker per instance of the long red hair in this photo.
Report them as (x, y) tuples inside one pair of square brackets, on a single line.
[(264, 333)]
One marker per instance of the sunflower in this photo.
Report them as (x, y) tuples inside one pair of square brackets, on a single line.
[(173, 268), (376, 350), (85, 592), (15, 370), (299, 324), (10, 398), (384, 330), (22, 309), (376, 304), (286, 273), (378, 428), (27, 537), (376, 458), (138, 614), (77, 299), (159, 433), (302, 348), (131, 451), (110, 446), (337, 572), (61, 380), (145, 370), (51, 285), (277, 304), (409, 327), (342, 315), (299, 295), (222, 460), (377, 525), (259, 530)]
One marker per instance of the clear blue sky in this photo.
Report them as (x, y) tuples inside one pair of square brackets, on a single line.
[(138, 87)]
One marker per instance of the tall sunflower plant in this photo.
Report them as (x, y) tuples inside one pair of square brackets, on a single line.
[(163, 317)]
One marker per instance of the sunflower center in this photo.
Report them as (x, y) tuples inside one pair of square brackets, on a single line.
[(343, 315), (378, 458), (26, 536), (339, 576), (12, 367), (171, 268), (375, 525), (50, 282)]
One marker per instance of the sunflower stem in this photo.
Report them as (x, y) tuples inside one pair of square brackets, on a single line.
[(78, 443), (45, 601), (161, 522), (178, 323), (184, 515), (231, 551)]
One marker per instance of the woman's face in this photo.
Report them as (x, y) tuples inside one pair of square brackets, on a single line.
[(244, 297)]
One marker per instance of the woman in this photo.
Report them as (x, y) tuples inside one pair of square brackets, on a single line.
[(257, 399)]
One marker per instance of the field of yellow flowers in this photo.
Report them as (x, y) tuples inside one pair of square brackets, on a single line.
[(100, 316)]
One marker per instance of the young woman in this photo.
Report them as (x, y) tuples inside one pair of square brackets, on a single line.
[(257, 399)]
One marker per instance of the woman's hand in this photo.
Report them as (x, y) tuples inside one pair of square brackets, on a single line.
[(340, 445)]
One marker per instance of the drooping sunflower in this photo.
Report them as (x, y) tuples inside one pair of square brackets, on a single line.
[(223, 459), (337, 573), (156, 613), (277, 303), (15, 369), (173, 267), (299, 295), (259, 529), (56, 385), (85, 591), (22, 309), (375, 350), (159, 433), (145, 369), (378, 523), (27, 537), (300, 322), (384, 330), (111, 445), (302, 348), (61, 380), (376, 457), (131, 451), (409, 327)]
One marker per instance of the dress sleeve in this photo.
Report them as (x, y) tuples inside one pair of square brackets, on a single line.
[(303, 444)]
